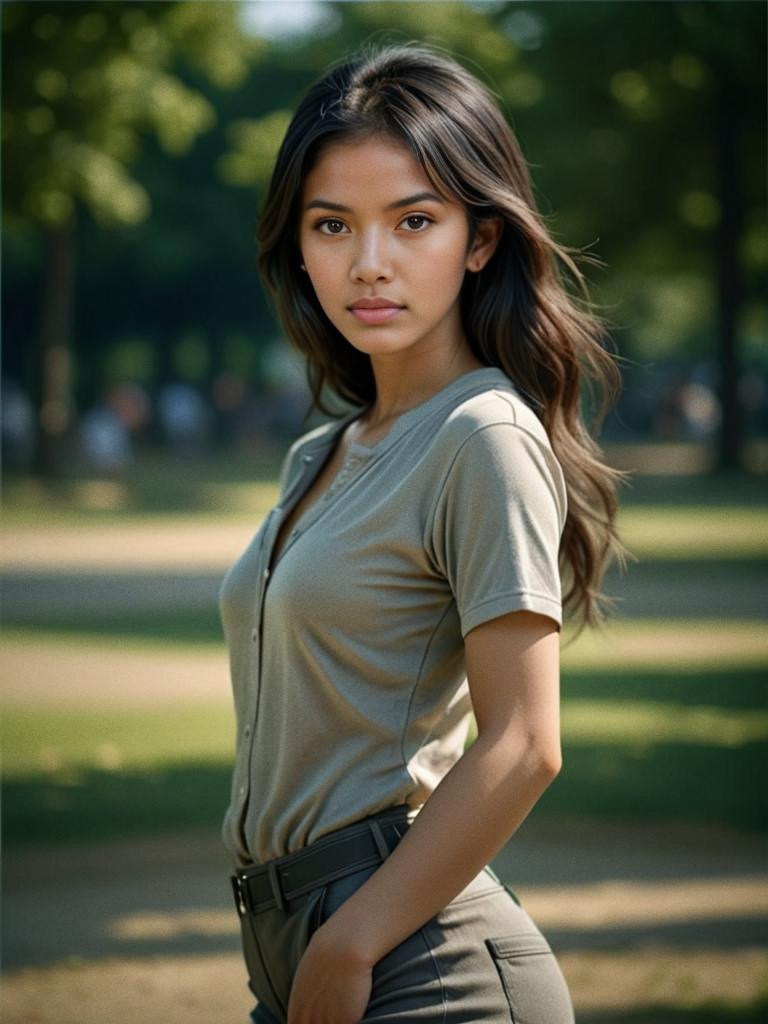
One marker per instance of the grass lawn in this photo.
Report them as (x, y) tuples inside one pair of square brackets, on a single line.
[(662, 719), (660, 744), (665, 720)]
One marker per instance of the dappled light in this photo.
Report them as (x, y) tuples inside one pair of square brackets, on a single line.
[(148, 401)]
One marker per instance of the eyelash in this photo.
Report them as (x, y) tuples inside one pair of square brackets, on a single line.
[(411, 216)]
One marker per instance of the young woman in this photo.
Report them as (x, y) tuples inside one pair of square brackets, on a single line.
[(411, 570)]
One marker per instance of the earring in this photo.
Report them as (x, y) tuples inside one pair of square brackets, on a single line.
[(303, 267)]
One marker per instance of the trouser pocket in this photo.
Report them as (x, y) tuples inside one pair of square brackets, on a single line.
[(531, 978), (406, 980), (274, 942)]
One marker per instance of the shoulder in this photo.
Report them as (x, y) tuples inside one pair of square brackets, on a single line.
[(495, 417), (494, 444)]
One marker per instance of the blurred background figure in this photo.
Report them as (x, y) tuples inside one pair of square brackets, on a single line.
[(106, 442), (688, 409), (184, 418), (17, 422), (108, 431)]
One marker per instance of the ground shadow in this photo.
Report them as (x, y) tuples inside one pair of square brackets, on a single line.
[(715, 1013)]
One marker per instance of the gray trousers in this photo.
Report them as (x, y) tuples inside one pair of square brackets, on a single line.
[(481, 958)]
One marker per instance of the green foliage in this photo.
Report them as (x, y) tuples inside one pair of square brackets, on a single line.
[(88, 81), (254, 147), (191, 356), (161, 120), (129, 358)]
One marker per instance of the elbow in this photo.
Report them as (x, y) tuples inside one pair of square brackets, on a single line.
[(537, 757), (551, 761), (547, 759)]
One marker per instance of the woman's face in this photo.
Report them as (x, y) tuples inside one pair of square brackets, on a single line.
[(372, 226)]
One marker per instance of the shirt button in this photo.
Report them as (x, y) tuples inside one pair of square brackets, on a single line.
[(306, 458), (247, 731), (265, 574), (294, 533), (242, 791), (254, 635)]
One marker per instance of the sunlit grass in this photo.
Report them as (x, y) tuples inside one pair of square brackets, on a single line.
[(654, 745), (624, 644), (62, 741), (155, 486), (60, 744), (645, 723), (663, 719), (721, 531), (683, 643)]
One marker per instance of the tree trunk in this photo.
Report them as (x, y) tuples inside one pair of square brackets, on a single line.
[(53, 370), (729, 277)]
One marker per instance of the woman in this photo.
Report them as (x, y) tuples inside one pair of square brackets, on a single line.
[(409, 573)]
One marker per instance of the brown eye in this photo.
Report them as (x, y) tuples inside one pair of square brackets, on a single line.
[(329, 220), (418, 217)]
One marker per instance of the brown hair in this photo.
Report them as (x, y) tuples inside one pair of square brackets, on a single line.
[(516, 312)]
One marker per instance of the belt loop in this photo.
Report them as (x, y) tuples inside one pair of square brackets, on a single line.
[(378, 838), (274, 882)]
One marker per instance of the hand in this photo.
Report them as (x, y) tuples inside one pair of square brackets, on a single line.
[(331, 984)]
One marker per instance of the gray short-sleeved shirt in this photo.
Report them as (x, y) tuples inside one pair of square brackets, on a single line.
[(347, 662)]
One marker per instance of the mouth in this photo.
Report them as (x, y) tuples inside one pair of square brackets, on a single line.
[(378, 315)]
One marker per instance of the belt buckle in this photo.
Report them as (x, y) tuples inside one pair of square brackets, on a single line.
[(240, 891)]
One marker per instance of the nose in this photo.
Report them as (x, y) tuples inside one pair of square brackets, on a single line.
[(371, 261)]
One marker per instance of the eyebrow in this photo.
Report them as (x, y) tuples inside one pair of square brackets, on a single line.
[(420, 197)]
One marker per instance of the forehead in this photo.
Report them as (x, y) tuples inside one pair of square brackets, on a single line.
[(370, 171)]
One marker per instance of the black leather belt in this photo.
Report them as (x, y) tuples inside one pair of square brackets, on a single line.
[(360, 845)]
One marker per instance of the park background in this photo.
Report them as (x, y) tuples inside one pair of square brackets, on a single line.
[(148, 400)]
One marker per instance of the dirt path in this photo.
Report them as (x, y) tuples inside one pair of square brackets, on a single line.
[(144, 931), (71, 673), (184, 543)]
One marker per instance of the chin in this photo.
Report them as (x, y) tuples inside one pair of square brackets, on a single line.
[(380, 346)]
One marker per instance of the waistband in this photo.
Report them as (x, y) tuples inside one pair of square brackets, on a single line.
[(359, 845)]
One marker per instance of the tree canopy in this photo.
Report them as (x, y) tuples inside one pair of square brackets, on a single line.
[(138, 139)]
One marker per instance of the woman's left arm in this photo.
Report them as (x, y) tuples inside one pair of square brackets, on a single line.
[(513, 669)]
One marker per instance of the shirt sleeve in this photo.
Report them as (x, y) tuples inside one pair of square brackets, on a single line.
[(497, 525)]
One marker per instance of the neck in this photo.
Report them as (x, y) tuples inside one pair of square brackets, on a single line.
[(402, 383)]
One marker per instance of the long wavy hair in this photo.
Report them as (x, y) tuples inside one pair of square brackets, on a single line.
[(517, 312)]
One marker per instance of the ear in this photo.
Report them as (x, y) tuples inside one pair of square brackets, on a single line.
[(487, 237)]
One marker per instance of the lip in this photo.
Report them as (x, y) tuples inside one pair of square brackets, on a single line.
[(375, 309), (378, 315), (374, 302)]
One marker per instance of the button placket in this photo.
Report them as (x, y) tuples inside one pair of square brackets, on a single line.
[(342, 478), (317, 508), (249, 729)]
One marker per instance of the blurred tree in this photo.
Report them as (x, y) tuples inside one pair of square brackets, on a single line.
[(83, 83), (648, 123), (645, 128), (614, 105)]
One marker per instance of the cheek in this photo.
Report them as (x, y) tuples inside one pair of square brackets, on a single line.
[(326, 284), (322, 262), (323, 280), (440, 253)]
